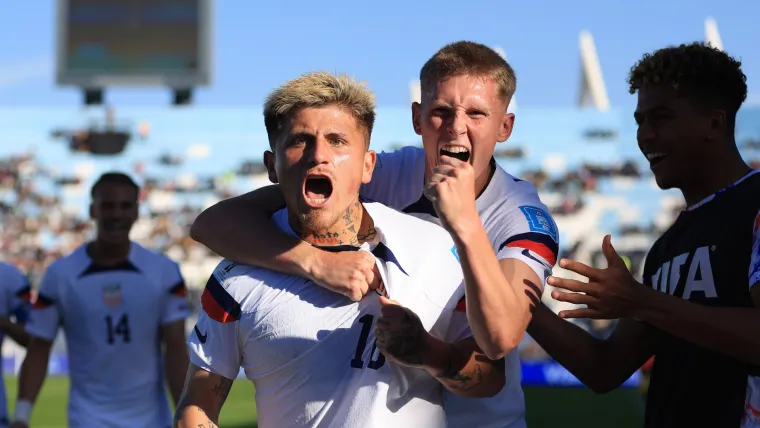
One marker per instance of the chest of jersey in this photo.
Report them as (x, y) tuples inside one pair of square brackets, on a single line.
[(117, 306), (305, 327), (705, 256)]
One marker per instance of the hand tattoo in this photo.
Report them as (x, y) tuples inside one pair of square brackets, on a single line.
[(405, 342)]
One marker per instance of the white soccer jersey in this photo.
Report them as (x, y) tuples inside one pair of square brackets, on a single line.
[(14, 304), (310, 352), (519, 227), (111, 317)]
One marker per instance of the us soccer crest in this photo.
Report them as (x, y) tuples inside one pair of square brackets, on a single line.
[(112, 295)]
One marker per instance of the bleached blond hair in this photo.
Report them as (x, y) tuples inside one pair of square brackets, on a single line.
[(319, 89)]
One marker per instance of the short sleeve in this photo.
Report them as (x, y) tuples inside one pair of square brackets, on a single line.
[(19, 298), (530, 235), (398, 178), (214, 344), (754, 265), (45, 316), (175, 305)]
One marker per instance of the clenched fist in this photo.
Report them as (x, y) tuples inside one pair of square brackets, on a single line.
[(451, 189), (399, 334), (350, 273)]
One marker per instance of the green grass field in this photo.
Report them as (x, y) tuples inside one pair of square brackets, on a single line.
[(547, 407)]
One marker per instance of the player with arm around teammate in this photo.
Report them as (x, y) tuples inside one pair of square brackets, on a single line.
[(118, 304), (315, 357), (506, 239), (697, 310)]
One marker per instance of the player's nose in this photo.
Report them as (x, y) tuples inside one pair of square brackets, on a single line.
[(320, 151), (457, 124)]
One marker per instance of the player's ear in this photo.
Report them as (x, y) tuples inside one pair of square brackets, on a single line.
[(417, 117), (369, 166), (93, 215), (505, 130), (269, 161)]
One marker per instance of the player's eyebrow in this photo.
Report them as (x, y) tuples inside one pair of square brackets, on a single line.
[(637, 115), (441, 104), (336, 135), (300, 135)]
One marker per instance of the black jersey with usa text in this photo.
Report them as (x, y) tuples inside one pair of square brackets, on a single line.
[(704, 258)]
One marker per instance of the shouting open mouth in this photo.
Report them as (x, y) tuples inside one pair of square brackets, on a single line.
[(456, 152), (317, 189)]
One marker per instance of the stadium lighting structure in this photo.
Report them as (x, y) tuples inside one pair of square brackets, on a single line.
[(592, 89), (127, 43), (513, 103), (712, 36)]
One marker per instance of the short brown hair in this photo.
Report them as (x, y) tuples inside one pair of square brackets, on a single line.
[(698, 71), (319, 89), (471, 58)]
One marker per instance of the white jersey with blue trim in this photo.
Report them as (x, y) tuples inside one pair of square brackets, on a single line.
[(311, 353), (14, 304), (519, 227), (111, 317)]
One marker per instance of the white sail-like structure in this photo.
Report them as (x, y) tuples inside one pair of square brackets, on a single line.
[(712, 36), (592, 90)]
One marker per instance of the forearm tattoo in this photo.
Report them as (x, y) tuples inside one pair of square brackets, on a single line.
[(457, 377), (178, 416)]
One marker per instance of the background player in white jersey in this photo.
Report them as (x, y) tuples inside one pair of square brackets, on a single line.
[(118, 304), (14, 311), (311, 353), (504, 235)]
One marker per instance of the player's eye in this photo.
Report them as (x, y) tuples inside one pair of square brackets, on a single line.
[(440, 112), (297, 141)]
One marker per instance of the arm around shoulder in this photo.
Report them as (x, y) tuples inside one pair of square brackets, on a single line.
[(236, 228)]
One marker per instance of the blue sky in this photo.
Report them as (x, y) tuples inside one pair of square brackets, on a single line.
[(257, 44)]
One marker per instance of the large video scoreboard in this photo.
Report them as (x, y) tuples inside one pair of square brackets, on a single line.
[(105, 43)]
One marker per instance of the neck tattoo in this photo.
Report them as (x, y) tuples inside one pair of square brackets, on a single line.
[(353, 228)]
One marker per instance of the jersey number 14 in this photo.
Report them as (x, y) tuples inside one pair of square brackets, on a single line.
[(358, 362), (119, 328)]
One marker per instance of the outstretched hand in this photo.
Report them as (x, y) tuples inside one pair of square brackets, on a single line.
[(610, 293), (400, 335), (350, 273)]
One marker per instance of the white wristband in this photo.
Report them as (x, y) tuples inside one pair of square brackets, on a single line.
[(23, 411)]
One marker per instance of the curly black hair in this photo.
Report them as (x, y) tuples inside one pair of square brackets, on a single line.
[(699, 71)]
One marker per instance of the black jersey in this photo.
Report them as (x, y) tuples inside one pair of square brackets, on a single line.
[(704, 258)]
